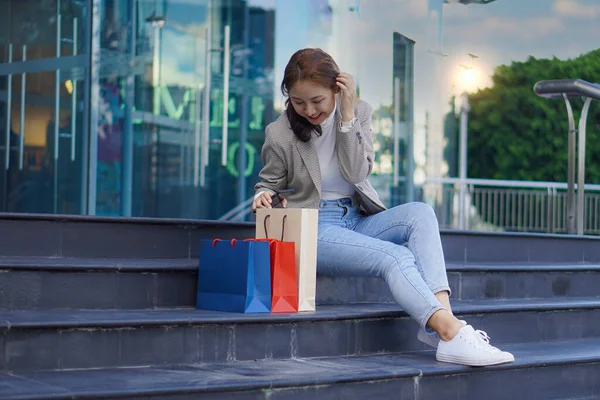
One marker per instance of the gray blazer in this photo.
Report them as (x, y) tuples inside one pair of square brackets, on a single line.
[(291, 163)]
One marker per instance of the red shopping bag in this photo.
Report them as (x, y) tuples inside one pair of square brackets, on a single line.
[(284, 278)]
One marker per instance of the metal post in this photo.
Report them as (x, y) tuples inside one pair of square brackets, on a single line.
[(408, 100), (74, 97), (581, 168), (57, 89), (57, 109), (570, 169), (94, 100), (156, 25), (23, 109), (8, 109), (127, 141), (197, 135), (205, 141), (242, 157), (226, 69), (463, 159), (396, 131)]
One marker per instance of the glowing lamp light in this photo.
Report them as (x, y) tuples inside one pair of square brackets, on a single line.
[(469, 79)]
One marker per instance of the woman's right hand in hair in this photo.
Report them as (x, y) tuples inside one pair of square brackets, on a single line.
[(347, 91), (264, 201)]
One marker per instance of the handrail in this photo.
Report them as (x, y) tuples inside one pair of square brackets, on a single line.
[(570, 88), (238, 212), (507, 183), (554, 89)]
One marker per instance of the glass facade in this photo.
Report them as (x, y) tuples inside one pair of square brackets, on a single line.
[(157, 108)]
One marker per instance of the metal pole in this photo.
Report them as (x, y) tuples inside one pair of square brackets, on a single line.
[(245, 98), (205, 138), (197, 135), (463, 159), (57, 89), (57, 109), (23, 109), (226, 66), (570, 169), (156, 70), (408, 100), (86, 42), (581, 168), (74, 97), (8, 109), (94, 100), (127, 141), (396, 131)]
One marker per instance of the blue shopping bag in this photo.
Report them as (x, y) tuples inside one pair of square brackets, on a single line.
[(234, 276)]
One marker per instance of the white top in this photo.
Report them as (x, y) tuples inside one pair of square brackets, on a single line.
[(333, 186)]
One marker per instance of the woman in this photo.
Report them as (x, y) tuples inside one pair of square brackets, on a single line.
[(322, 147)]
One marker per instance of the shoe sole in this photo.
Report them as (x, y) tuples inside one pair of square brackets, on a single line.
[(472, 362)]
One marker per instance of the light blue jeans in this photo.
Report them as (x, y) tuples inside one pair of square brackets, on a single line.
[(353, 244)]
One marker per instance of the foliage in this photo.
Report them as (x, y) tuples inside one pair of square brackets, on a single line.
[(516, 135)]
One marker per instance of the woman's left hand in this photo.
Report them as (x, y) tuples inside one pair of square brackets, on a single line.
[(345, 82)]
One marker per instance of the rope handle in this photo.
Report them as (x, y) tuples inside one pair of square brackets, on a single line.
[(214, 242), (282, 226)]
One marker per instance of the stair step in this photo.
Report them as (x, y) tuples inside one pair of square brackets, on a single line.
[(478, 281), (43, 235), (559, 369), (70, 339), (96, 283), (107, 283), (23, 235)]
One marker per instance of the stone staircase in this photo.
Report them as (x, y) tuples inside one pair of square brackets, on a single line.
[(100, 308)]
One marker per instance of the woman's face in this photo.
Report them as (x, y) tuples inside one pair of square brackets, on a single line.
[(312, 101)]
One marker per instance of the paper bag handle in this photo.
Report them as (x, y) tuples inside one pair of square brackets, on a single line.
[(214, 242), (282, 226)]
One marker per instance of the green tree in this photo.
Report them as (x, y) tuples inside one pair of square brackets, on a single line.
[(516, 135)]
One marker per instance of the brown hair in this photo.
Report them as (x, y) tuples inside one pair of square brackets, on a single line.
[(307, 64)]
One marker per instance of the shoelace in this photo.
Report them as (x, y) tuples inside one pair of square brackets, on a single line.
[(485, 340), (484, 336)]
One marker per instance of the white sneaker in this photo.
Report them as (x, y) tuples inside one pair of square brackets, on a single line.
[(432, 339), (471, 347)]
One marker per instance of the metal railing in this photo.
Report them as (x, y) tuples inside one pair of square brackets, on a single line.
[(566, 89), (518, 206), (494, 205)]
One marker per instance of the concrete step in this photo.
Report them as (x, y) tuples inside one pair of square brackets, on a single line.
[(36, 235), (479, 282), (114, 283), (72, 339), (96, 283), (549, 370)]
